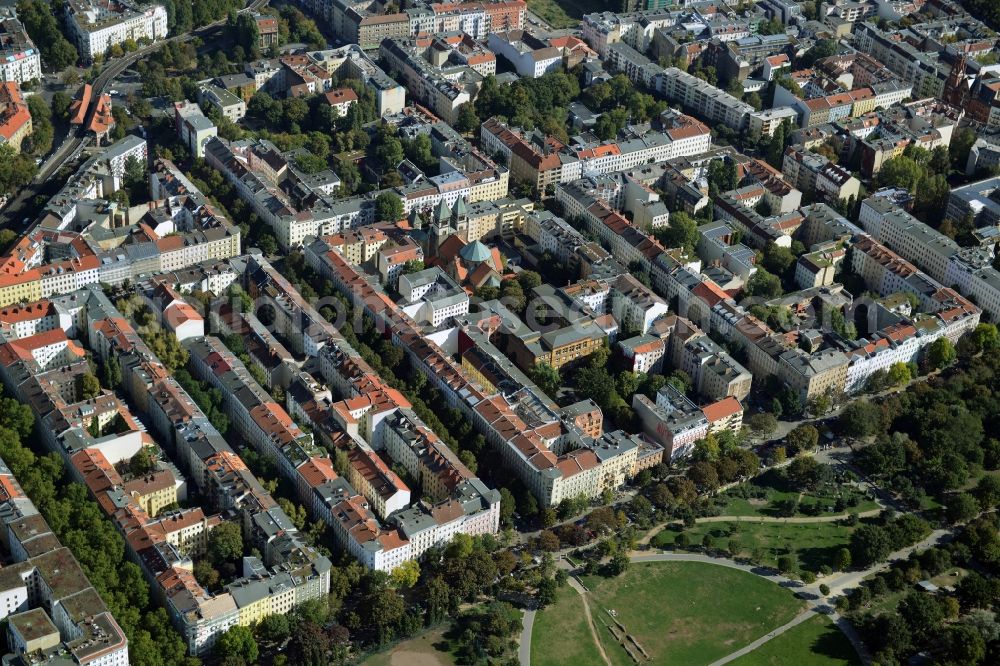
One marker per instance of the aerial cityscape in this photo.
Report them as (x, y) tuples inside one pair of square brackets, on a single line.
[(499, 332)]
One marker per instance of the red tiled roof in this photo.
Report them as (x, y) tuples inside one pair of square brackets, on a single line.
[(710, 292), (340, 95), (17, 313), (97, 473), (599, 151), (14, 110), (78, 109), (180, 313), (316, 471), (722, 409), (102, 120)]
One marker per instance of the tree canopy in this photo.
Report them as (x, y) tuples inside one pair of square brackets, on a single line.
[(764, 284), (16, 169), (225, 543), (925, 173), (40, 21), (529, 103), (682, 231), (388, 207), (237, 646)]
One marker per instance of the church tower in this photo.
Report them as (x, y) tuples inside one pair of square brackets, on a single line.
[(460, 219), (956, 87), (440, 227)]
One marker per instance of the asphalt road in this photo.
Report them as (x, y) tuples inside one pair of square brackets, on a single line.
[(21, 205)]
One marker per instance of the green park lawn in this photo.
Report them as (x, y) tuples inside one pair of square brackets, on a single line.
[(812, 544), (774, 490), (561, 634), (428, 649), (815, 642), (565, 13), (686, 612)]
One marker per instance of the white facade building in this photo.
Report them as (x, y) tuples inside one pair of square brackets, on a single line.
[(19, 57), (97, 26)]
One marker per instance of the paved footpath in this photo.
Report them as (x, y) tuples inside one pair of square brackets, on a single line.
[(794, 622), (524, 649), (791, 519), (815, 602)]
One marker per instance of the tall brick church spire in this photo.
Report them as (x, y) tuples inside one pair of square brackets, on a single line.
[(956, 88)]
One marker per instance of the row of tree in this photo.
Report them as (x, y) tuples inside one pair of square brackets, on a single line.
[(82, 527), (186, 15), (39, 19)]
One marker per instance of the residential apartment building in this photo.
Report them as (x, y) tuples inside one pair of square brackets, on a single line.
[(180, 230), (193, 127), (767, 121), (229, 105), (534, 451), (978, 199), (15, 118), (52, 611), (161, 546), (812, 172), (644, 352), (97, 25), (634, 305), (673, 421), (530, 56), (368, 419), (442, 92), (901, 232), (341, 100), (924, 71), (20, 59), (969, 270), (703, 99)]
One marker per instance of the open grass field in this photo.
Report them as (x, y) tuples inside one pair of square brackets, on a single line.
[(812, 544), (427, 649), (561, 634), (681, 612), (567, 13), (815, 642), (766, 494)]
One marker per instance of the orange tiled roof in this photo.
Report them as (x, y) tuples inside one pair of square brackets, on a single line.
[(340, 95), (722, 409), (316, 471), (14, 110), (78, 109), (103, 120), (17, 313), (180, 313)]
